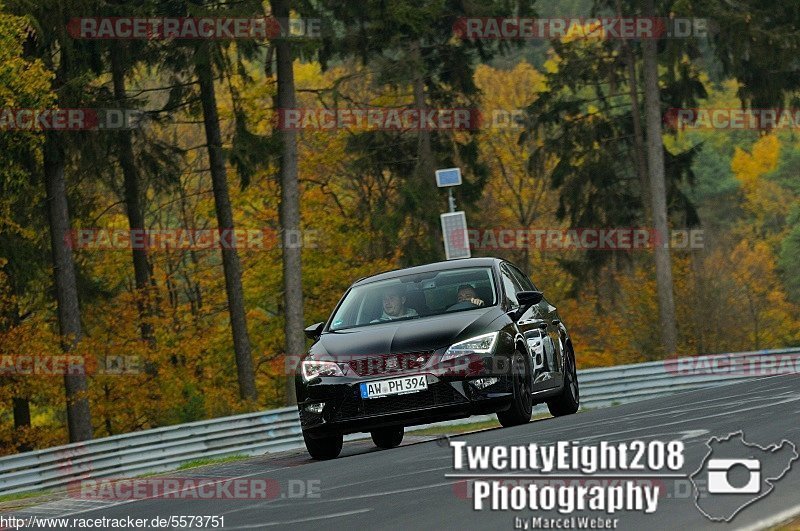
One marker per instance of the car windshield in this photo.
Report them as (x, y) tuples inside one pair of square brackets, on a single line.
[(416, 296)]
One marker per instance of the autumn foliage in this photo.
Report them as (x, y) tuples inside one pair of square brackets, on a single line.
[(740, 291)]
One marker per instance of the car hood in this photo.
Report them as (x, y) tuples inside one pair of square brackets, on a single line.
[(413, 335)]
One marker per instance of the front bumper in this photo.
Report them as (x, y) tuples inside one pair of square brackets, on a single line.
[(346, 412)]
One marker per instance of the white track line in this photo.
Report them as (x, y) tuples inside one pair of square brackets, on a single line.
[(773, 521)]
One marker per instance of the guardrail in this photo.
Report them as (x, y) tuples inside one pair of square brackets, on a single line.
[(164, 449)]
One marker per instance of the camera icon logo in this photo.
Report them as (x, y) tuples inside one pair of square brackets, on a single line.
[(718, 482), (736, 473)]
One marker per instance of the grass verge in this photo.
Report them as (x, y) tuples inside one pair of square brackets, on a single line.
[(449, 429), (211, 461)]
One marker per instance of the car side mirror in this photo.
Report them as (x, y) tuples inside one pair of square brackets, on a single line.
[(529, 298), (526, 299), (314, 331)]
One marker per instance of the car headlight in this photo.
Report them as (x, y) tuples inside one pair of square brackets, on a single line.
[(312, 369), (483, 344)]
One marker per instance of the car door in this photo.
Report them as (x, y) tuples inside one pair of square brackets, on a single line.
[(532, 328), (545, 317)]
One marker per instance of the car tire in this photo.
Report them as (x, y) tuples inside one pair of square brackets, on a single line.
[(387, 437), (522, 402), (568, 401), (328, 447)]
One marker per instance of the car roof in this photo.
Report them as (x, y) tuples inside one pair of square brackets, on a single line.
[(427, 268)]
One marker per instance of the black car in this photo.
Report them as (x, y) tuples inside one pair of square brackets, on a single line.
[(431, 343)]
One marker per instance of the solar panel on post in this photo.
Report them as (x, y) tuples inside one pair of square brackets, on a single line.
[(454, 231)]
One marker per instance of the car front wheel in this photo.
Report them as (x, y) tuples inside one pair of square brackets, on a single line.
[(327, 447), (387, 437), (522, 401)]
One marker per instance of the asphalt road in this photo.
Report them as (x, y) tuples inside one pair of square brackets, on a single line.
[(406, 487)]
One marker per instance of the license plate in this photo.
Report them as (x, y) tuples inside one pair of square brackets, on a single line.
[(395, 386)]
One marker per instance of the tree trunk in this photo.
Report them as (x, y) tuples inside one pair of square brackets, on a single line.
[(295, 342), (20, 405), (638, 135), (22, 419), (22, 412), (141, 266), (658, 191), (640, 159), (79, 419), (424, 190), (230, 257)]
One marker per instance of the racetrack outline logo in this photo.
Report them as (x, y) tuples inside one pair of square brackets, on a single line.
[(722, 501)]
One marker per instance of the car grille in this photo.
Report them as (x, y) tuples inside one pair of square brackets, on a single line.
[(390, 363), (438, 394)]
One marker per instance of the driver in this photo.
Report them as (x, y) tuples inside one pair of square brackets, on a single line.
[(394, 305), (466, 293)]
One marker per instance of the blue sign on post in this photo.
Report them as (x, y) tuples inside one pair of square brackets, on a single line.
[(448, 177)]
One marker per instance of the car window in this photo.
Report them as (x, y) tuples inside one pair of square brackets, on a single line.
[(415, 296), (522, 279), (510, 286)]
